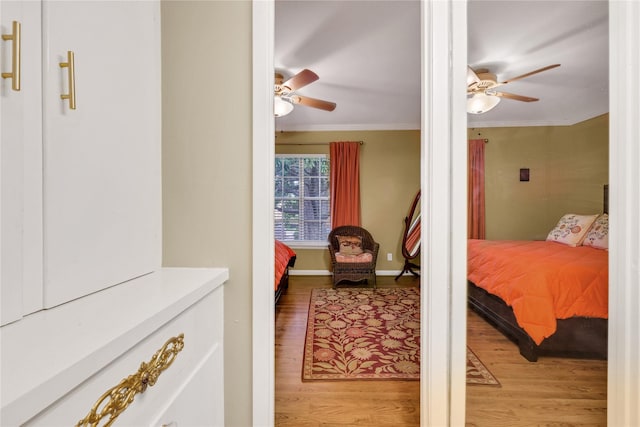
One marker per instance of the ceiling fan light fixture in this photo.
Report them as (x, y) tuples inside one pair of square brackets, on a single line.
[(481, 103), (281, 107)]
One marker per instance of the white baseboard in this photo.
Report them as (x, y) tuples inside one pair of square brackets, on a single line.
[(390, 273), (294, 272)]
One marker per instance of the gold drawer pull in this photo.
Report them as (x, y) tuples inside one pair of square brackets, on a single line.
[(115, 400), (71, 78), (14, 75)]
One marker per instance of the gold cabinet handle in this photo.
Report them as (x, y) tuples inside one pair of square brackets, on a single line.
[(71, 78), (115, 400), (14, 75)]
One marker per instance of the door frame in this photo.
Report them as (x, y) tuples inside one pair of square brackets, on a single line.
[(442, 385), (443, 149)]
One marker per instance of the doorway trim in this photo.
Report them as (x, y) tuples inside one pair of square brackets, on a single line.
[(443, 205), (263, 322), (443, 349), (624, 343), (623, 392), (444, 208)]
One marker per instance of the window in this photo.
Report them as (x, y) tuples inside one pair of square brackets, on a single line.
[(301, 208)]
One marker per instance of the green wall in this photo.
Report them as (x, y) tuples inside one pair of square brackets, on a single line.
[(389, 180), (207, 166), (568, 168)]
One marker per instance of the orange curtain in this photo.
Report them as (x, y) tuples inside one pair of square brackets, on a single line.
[(475, 193), (345, 183)]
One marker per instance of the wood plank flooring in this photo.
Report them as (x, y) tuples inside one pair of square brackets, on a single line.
[(550, 392)]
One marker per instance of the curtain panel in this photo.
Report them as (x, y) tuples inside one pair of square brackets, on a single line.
[(345, 183), (475, 193)]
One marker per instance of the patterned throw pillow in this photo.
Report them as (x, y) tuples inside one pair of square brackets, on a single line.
[(571, 229), (598, 235), (350, 245), (363, 257)]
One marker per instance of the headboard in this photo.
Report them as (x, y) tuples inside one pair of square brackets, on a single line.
[(605, 207)]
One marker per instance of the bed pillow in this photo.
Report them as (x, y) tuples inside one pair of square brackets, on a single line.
[(350, 245), (598, 235), (571, 229)]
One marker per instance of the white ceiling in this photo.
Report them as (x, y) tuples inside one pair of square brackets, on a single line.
[(367, 55)]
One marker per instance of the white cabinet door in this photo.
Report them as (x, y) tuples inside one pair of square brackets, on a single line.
[(102, 194), (20, 160)]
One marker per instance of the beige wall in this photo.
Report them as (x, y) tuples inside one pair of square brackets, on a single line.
[(206, 101), (389, 180), (568, 167)]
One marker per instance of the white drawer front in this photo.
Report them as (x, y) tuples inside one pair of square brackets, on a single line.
[(196, 370), (199, 401)]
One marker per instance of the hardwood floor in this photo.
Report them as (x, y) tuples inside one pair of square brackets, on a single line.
[(550, 392), (337, 403)]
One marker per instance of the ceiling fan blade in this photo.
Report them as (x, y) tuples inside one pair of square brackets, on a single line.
[(314, 103), (515, 97), (472, 77), (301, 79), (548, 67)]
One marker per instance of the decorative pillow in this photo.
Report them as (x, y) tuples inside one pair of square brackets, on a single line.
[(571, 229), (598, 235), (350, 245), (363, 257)]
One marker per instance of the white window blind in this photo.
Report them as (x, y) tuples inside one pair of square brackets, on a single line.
[(301, 208)]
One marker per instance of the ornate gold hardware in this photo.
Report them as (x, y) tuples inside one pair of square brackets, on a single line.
[(115, 400), (71, 78), (14, 75)]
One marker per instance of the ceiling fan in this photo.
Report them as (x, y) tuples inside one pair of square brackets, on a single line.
[(285, 97), (481, 85)]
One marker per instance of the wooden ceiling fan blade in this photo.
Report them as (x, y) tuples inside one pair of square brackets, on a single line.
[(515, 97), (548, 67), (313, 102), (301, 79)]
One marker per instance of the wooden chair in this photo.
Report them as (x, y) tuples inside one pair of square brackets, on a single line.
[(354, 255)]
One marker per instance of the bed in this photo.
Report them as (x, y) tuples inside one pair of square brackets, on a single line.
[(285, 258), (549, 297)]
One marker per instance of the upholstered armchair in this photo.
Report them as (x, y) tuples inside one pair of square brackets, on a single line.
[(354, 255)]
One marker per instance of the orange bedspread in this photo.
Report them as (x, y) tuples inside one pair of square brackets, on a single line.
[(283, 255), (542, 281)]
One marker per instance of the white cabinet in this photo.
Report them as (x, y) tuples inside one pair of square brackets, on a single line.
[(84, 299), (20, 162), (102, 160), (198, 403), (81, 188), (57, 363)]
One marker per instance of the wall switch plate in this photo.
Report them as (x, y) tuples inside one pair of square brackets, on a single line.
[(389, 256)]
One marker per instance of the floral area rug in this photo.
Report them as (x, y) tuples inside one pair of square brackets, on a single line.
[(363, 334), (356, 334), (477, 373)]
